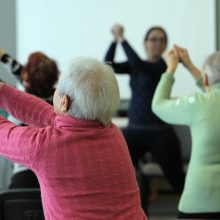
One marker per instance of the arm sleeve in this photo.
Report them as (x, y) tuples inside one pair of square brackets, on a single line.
[(200, 84), (11, 65), (109, 57), (20, 144), (26, 108), (133, 58), (121, 68), (173, 111)]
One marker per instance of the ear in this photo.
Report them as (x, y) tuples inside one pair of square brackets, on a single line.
[(65, 104)]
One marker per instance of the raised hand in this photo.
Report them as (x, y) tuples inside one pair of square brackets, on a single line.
[(183, 56), (118, 32), (186, 61), (172, 60)]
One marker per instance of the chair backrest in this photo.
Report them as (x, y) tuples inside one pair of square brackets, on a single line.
[(21, 204)]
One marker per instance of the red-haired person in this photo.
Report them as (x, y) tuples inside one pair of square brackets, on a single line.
[(37, 77)]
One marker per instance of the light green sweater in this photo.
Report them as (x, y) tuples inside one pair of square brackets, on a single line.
[(201, 112)]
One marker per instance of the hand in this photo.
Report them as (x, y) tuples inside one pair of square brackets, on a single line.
[(1, 84), (186, 61), (2, 52), (172, 60), (118, 32), (183, 56)]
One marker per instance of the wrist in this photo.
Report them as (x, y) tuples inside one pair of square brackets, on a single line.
[(190, 66), (171, 69)]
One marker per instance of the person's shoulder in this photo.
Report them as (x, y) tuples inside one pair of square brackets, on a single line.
[(202, 98)]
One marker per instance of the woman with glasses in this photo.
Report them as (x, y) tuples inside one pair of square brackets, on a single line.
[(145, 131)]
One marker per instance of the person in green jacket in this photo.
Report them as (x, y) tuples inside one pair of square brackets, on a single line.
[(200, 111)]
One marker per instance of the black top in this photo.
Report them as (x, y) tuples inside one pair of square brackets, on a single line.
[(144, 77)]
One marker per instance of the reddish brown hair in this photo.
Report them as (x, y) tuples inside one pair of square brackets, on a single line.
[(42, 74)]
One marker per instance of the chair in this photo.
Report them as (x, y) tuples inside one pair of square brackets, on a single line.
[(21, 204)]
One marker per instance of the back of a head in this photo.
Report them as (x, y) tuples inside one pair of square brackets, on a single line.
[(212, 67), (42, 73), (92, 88)]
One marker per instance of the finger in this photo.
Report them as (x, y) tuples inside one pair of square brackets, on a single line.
[(175, 47)]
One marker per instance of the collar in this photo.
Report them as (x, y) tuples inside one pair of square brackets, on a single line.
[(70, 123)]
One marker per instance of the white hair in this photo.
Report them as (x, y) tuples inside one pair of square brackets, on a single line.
[(212, 67), (92, 88)]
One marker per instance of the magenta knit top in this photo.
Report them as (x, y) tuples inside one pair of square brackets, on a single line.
[(84, 169)]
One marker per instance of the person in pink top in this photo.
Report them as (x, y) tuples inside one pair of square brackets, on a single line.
[(79, 156)]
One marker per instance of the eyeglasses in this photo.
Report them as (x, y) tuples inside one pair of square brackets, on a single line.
[(155, 39)]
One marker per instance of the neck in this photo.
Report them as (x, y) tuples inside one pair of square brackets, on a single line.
[(153, 59)]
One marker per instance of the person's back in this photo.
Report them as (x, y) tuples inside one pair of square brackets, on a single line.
[(204, 167), (201, 195), (90, 167), (80, 157), (37, 77)]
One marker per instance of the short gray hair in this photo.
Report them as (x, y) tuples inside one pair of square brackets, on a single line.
[(92, 88), (212, 67)]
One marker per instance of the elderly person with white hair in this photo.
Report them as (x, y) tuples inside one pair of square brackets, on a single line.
[(78, 155), (201, 196)]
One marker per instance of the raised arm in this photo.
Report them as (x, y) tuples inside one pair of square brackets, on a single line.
[(122, 67), (26, 108), (20, 144), (110, 55), (132, 56), (118, 33), (187, 63), (173, 111), (178, 111), (10, 63)]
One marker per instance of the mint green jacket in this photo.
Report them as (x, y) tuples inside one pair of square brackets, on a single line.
[(201, 112)]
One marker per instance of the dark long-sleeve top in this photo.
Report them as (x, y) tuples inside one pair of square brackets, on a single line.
[(144, 77)]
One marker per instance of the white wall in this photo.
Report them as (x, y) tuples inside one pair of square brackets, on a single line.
[(67, 29)]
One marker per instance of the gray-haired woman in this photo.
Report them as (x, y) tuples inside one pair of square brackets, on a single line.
[(201, 196)]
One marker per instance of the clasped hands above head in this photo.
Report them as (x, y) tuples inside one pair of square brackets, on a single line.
[(178, 54)]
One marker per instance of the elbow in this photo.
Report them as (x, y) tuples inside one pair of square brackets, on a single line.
[(157, 108), (154, 106)]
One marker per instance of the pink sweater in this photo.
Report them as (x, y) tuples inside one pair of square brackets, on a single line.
[(84, 169)]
